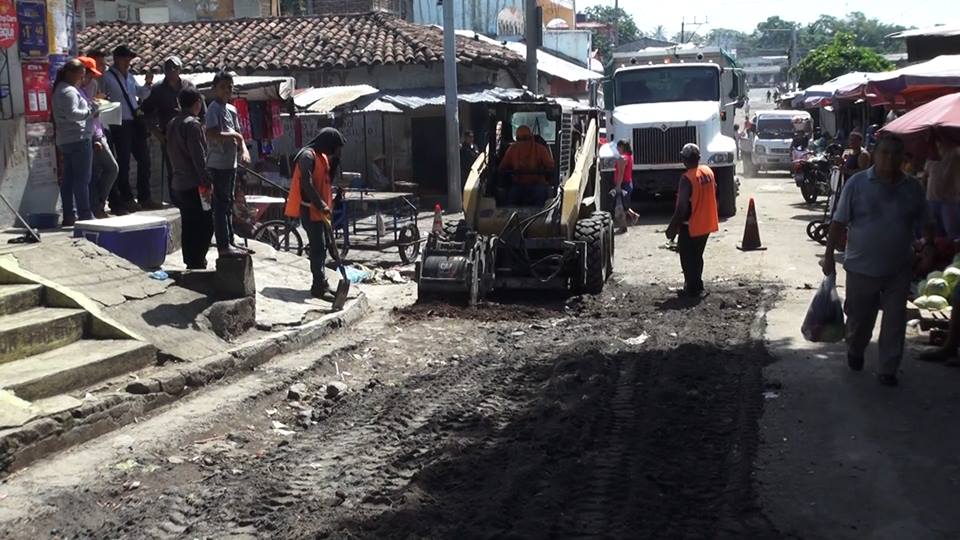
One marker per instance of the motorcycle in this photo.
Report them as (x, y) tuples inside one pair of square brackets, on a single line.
[(811, 171)]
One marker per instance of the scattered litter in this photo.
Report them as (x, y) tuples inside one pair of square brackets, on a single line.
[(673, 334), (3, 496), (357, 274), (133, 485), (175, 460), (639, 340), (159, 275), (127, 465), (770, 394), (517, 334), (281, 429), (278, 425), (270, 412)]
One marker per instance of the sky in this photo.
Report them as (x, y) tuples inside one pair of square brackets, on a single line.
[(745, 14)]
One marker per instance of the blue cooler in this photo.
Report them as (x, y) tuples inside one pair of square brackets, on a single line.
[(139, 239)]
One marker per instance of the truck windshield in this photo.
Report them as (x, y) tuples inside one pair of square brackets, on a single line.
[(537, 122), (667, 84), (775, 128)]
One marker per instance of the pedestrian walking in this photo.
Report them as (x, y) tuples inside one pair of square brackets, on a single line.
[(311, 199), (880, 209), (162, 106), (130, 137), (623, 182), (191, 181), (105, 167), (226, 149), (694, 218), (942, 177), (71, 115), (769, 96), (856, 158)]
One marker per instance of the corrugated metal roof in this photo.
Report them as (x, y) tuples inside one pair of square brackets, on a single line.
[(547, 63), (941, 31), (250, 87), (326, 99), (427, 97)]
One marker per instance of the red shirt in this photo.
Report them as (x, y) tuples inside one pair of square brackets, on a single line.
[(624, 168)]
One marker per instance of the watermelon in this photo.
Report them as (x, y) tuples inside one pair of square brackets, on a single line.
[(937, 303), (937, 287), (952, 276), (934, 275)]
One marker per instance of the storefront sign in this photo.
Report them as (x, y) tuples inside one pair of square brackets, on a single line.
[(31, 16), (36, 91), (243, 114), (276, 125), (8, 24)]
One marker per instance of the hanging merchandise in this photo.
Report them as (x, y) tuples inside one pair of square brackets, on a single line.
[(243, 114), (276, 124), (36, 92), (32, 19), (8, 24)]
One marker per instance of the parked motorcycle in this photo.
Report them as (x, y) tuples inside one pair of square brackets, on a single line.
[(811, 171)]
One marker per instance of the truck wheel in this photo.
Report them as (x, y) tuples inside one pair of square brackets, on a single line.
[(726, 192), (591, 231)]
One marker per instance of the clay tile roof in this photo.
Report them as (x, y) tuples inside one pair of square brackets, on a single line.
[(292, 43)]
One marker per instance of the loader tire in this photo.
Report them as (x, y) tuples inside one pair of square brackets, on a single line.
[(591, 231), (609, 237)]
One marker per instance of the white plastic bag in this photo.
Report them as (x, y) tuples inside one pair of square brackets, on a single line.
[(824, 321)]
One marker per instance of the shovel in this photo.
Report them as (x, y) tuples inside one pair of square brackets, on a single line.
[(343, 288)]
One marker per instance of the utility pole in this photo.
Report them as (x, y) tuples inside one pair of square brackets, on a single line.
[(531, 22), (454, 193)]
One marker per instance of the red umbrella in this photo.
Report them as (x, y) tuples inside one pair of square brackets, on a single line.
[(939, 119)]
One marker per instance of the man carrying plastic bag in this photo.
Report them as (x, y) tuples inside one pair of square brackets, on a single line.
[(824, 320)]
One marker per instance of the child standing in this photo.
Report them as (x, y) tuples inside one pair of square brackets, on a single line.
[(623, 179)]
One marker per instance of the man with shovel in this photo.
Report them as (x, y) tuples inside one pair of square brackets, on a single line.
[(311, 200)]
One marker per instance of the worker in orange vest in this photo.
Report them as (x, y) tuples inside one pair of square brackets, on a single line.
[(694, 218), (311, 199)]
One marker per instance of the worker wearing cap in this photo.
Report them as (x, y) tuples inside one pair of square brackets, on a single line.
[(162, 106), (694, 218), (129, 138), (104, 164)]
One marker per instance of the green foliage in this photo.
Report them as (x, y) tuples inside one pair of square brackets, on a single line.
[(842, 55), (626, 29)]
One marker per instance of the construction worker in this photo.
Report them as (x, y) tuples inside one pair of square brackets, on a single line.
[(530, 164), (694, 218), (311, 199)]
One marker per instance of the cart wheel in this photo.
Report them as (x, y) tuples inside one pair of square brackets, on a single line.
[(821, 233), (811, 229), (281, 235), (409, 243)]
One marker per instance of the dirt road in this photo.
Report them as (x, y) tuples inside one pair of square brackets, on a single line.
[(633, 414)]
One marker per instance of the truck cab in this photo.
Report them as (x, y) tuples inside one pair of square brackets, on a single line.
[(660, 107), (772, 137)]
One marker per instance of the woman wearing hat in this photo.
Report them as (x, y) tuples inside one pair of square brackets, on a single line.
[(71, 115), (104, 164)]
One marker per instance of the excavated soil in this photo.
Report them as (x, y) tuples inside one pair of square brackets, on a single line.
[(627, 415)]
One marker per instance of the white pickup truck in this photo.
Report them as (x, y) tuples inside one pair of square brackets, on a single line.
[(771, 136)]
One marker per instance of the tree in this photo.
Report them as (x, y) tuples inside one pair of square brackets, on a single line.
[(774, 35), (726, 38), (842, 55), (624, 29), (660, 32)]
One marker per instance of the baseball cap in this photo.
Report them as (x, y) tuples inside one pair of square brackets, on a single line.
[(124, 51), (90, 64), (174, 60), (690, 151)]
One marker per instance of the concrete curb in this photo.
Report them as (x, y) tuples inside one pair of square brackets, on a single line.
[(42, 437)]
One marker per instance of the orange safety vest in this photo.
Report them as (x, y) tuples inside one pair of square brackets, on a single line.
[(321, 181), (703, 201)]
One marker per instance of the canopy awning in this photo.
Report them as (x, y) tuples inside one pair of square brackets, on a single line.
[(823, 94), (253, 88), (429, 97), (327, 99)]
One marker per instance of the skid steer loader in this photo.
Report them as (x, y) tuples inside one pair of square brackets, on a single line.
[(567, 243)]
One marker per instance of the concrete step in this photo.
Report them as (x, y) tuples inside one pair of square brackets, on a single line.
[(77, 365), (39, 330), (17, 298)]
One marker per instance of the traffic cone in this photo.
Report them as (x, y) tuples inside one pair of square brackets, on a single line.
[(437, 220), (751, 232)]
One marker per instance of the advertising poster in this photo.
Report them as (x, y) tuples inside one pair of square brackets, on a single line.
[(243, 114), (57, 61), (32, 20), (8, 24), (36, 92), (60, 16)]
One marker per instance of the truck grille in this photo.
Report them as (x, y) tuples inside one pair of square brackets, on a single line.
[(654, 146)]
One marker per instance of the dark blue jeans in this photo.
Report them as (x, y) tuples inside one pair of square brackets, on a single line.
[(224, 183), (77, 171), (528, 195), (317, 236)]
